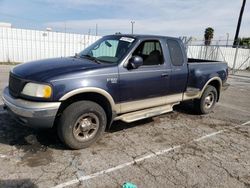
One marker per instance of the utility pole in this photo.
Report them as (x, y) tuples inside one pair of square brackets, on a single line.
[(132, 26), (227, 39), (239, 23)]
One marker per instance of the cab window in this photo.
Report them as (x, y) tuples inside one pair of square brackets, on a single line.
[(151, 52)]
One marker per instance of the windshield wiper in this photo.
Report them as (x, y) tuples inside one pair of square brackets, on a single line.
[(91, 58)]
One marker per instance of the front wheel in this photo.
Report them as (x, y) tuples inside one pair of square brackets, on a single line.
[(81, 124), (206, 103)]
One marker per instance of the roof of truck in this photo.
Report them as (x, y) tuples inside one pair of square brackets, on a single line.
[(143, 36)]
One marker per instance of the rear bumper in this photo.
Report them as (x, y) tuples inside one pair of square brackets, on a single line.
[(33, 114)]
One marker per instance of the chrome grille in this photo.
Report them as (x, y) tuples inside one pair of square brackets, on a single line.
[(15, 85)]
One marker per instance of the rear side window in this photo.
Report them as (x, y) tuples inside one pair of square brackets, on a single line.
[(175, 52)]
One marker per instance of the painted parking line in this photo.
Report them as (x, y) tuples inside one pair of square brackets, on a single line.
[(246, 123), (208, 136), (3, 156), (155, 154)]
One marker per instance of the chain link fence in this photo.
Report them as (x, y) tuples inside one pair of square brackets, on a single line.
[(22, 45), (237, 57)]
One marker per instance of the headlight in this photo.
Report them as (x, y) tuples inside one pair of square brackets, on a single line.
[(37, 90)]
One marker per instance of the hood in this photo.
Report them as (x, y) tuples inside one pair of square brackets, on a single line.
[(43, 70)]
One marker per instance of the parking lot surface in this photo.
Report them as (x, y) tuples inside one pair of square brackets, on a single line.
[(178, 149)]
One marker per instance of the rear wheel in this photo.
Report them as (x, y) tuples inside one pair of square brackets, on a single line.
[(206, 103), (81, 124)]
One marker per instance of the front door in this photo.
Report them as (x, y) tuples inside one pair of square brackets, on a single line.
[(144, 87)]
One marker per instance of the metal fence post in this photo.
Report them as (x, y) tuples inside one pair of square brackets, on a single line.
[(65, 43), (235, 58)]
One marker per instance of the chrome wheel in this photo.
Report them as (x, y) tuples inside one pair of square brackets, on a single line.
[(86, 127), (209, 100)]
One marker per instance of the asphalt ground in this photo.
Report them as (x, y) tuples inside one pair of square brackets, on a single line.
[(178, 149)]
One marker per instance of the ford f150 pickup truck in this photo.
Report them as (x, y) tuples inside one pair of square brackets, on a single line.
[(119, 77)]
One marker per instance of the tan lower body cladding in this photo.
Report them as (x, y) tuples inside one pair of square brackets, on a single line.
[(149, 103), (136, 110)]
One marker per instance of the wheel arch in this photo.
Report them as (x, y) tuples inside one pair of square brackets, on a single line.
[(216, 82), (100, 96)]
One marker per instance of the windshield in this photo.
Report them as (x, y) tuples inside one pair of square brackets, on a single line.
[(110, 49)]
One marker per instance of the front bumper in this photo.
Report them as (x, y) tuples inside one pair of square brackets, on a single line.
[(34, 114)]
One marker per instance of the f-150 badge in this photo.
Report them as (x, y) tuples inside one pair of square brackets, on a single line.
[(112, 80)]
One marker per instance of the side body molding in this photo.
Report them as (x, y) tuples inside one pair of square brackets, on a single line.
[(93, 90)]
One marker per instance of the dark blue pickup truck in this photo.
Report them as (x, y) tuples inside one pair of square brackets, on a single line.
[(119, 77)]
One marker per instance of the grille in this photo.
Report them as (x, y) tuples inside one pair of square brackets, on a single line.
[(15, 85)]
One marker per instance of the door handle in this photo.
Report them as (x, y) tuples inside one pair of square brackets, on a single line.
[(164, 75)]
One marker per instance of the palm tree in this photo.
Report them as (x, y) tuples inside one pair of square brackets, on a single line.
[(208, 35)]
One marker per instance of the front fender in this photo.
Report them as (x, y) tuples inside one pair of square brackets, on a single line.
[(93, 90)]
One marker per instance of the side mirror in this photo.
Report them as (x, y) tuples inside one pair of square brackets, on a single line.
[(134, 62)]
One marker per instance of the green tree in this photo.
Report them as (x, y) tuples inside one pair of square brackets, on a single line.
[(244, 42), (208, 35)]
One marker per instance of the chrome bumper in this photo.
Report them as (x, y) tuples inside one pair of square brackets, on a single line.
[(34, 114)]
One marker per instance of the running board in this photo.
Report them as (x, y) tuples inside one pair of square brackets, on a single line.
[(146, 113)]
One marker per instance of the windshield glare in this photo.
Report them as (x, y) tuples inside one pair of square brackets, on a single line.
[(109, 49)]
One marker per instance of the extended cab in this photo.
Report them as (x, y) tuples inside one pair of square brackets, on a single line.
[(119, 77)]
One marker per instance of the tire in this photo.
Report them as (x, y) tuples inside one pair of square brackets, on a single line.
[(206, 103), (81, 124)]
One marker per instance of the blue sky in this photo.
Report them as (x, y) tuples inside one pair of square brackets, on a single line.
[(165, 17)]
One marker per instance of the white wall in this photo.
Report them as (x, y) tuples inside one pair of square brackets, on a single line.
[(222, 54), (22, 45)]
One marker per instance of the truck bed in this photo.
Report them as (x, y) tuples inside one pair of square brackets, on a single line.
[(192, 60), (200, 71)]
